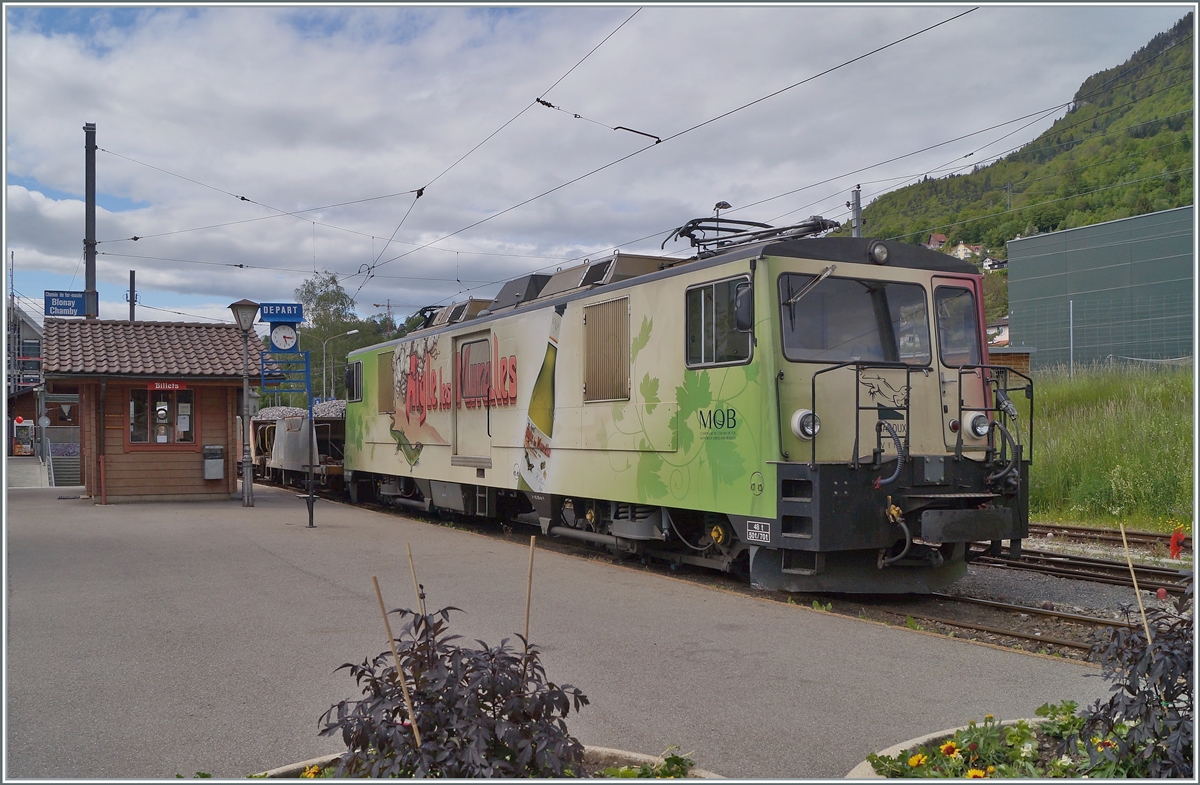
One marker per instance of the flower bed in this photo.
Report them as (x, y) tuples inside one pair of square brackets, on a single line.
[(598, 762)]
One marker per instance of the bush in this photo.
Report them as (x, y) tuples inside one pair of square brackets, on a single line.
[(1146, 728), (486, 712)]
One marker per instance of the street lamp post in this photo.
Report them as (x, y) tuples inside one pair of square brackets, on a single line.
[(324, 387), (244, 312)]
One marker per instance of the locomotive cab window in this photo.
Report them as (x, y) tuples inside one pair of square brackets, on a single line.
[(712, 334), (354, 381), (853, 320), (958, 326)]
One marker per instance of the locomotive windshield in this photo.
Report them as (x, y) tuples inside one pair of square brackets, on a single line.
[(854, 320), (958, 326)]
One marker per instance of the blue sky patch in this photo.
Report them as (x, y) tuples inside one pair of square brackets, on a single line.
[(114, 204)]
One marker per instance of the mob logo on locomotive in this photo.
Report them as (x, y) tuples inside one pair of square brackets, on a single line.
[(718, 423)]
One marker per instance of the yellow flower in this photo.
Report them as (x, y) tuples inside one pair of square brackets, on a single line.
[(991, 769), (975, 774), (950, 749), (311, 772), (989, 717), (917, 760)]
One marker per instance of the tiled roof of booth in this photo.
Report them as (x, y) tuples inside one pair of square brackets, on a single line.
[(72, 346)]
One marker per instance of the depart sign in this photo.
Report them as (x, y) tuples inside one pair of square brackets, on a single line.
[(281, 312), (64, 303)]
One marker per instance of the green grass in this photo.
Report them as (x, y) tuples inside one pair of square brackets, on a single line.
[(1114, 442)]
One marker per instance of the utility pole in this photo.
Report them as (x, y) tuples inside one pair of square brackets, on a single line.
[(131, 297), (14, 339), (388, 306), (855, 206), (91, 301)]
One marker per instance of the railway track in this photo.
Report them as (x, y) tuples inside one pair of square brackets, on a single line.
[(1110, 536), (1088, 568)]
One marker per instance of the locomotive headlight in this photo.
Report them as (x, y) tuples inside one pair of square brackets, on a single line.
[(979, 425), (878, 252), (805, 424)]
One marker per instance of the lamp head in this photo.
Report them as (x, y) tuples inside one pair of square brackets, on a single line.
[(244, 312)]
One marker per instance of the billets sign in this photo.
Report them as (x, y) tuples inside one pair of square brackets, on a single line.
[(64, 303), (281, 312)]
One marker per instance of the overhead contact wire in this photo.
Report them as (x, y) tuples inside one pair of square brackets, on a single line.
[(679, 134)]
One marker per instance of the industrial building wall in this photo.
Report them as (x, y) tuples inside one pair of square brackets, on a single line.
[(1120, 290)]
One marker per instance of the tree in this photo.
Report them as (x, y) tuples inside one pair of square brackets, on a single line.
[(326, 304)]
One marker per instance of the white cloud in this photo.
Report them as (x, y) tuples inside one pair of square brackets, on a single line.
[(300, 107)]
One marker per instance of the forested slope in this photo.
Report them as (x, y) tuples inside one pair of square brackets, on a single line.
[(1123, 148)]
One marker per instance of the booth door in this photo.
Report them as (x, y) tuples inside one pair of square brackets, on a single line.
[(474, 377)]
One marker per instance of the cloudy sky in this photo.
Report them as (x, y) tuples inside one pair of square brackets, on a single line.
[(328, 120)]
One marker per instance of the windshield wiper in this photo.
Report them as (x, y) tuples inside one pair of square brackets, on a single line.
[(811, 285)]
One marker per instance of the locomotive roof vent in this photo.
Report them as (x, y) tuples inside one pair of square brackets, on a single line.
[(728, 232), (519, 290)]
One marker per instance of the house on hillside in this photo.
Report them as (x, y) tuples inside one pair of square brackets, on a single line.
[(936, 241), (991, 264), (964, 251), (997, 332)]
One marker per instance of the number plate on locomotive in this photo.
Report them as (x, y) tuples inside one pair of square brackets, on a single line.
[(758, 531)]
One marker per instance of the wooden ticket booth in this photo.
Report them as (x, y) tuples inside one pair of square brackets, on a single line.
[(158, 405)]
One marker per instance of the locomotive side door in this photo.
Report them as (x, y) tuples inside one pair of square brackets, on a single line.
[(957, 305), (472, 414)]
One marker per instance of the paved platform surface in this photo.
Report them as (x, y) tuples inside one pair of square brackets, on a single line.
[(25, 471), (151, 640)]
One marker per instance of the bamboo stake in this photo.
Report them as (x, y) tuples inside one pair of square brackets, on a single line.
[(529, 586), (396, 657), (1136, 592), (416, 586)]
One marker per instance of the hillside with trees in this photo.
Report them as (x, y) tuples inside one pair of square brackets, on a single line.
[(1123, 148)]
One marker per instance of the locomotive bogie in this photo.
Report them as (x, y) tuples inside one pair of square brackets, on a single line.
[(794, 408)]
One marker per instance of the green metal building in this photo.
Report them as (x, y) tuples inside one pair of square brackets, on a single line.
[(1120, 290)]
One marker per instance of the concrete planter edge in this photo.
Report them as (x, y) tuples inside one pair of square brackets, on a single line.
[(603, 755), (863, 771)]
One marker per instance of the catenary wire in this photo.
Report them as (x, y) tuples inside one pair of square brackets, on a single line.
[(679, 134)]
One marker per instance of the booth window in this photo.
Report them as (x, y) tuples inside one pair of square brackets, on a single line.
[(162, 417)]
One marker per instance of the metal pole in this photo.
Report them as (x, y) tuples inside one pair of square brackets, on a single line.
[(132, 298), (247, 470), (91, 303), (856, 228), (1071, 332), (323, 345)]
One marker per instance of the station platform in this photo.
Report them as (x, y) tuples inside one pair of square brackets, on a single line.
[(25, 471), (156, 639)]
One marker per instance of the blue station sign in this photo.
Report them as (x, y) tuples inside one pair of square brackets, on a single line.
[(65, 303), (281, 312)]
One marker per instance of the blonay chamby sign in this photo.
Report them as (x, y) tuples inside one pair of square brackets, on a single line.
[(64, 303)]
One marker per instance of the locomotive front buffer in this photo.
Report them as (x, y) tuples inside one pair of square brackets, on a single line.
[(919, 515)]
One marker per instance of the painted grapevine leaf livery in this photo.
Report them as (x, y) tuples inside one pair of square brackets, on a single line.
[(691, 396), (642, 339), (650, 464), (649, 390), (724, 460)]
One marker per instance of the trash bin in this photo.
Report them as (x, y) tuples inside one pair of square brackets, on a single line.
[(214, 461)]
